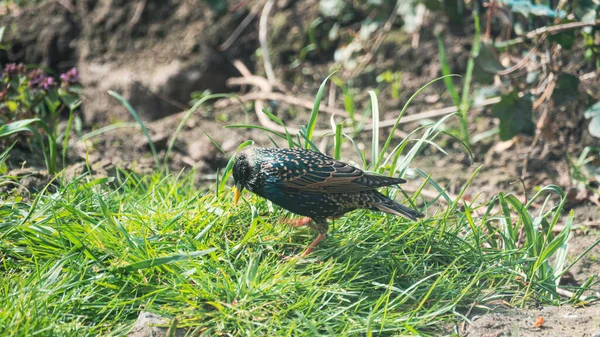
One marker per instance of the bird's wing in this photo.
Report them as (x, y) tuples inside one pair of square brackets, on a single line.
[(326, 175)]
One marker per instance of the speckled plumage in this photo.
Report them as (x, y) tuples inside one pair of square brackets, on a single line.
[(314, 185)]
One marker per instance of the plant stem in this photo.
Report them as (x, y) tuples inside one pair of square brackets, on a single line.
[(465, 103)]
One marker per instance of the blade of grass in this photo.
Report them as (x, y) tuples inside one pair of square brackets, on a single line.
[(375, 131), (67, 133), (393, 129), (277, 120), (137, 118), (184, 120), (447, 71), (159, 261), (337, 153), (465, 101), (312, 121)]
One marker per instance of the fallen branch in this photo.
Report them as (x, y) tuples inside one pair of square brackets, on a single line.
[(550, 30), (275, 96), (259, 104)]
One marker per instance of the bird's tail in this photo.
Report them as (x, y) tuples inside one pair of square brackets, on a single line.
[(387, 205)]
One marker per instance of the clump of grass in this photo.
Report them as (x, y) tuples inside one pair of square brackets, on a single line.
[(86, 259)]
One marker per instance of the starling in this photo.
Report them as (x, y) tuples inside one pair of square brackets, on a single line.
[(312, 185)]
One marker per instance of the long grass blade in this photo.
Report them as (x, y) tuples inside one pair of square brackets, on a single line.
[(184, 120), (312, 121), (137, 118), (393, 129), (159, 261), (376, 158)]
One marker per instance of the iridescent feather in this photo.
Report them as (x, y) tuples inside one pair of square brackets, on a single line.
[(314, 185)]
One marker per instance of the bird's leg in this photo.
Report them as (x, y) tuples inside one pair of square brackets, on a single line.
[(322, 227), (313, 244), (306, 221)]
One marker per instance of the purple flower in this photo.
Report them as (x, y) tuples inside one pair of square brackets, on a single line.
[(47, 83), (36, 77), (13, 68), (70, 77)]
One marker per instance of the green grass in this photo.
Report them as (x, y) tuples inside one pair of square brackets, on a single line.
[(84, 258)]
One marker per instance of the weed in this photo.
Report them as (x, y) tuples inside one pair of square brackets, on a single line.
[(31, 101)]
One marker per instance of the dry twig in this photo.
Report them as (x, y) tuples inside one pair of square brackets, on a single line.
[(137, 14), (262, 37), (240, 28)]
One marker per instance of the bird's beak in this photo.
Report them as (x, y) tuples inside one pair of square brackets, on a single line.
[(237, 193)]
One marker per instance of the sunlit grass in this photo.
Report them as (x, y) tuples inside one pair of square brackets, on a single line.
[(90, 256), (84, 257)]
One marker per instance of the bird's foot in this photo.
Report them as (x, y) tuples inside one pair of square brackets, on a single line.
[(305, 221), (309, 249)]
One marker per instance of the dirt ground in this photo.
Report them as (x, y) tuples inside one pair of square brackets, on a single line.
[(156, 53), (558, 321)]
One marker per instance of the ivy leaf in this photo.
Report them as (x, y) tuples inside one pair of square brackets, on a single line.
[(567, 88), (487, 59), (593, 112), (564, 39), (514, 113)]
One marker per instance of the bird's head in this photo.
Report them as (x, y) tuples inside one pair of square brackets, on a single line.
[(243, 171)]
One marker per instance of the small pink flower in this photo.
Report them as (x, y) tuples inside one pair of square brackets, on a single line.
[(47, 83), (13, 68), (70, 77)]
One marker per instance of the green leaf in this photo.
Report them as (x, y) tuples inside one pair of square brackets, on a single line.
[(12, 106), (514, 113), (564, 39), (18, 126), (593, 112), (71, 100), (312, 122), (487, 59), (567, 88)]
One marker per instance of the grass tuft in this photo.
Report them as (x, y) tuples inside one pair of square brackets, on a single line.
[(84, 258), (88, 257)]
